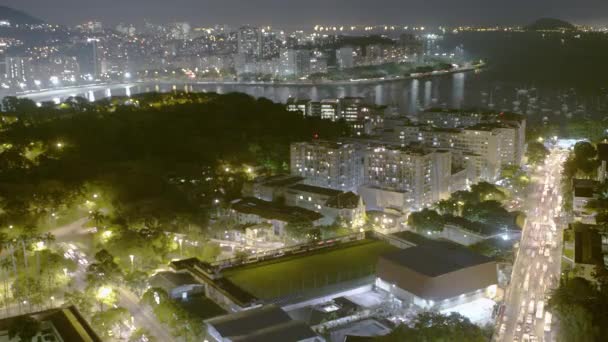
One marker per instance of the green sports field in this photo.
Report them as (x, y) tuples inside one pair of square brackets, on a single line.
[(300, 273)]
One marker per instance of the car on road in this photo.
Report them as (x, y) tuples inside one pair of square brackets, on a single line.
[(540, 305), (529, 319), (548, 317)]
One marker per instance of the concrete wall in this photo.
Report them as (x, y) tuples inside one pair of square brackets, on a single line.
[(461, 236), (447, 285)]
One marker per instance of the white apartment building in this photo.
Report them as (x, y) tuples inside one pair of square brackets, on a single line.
[(404, 178), (327, 164), (487, 146), (511, 126)]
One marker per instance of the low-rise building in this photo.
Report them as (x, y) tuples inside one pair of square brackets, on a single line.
[(583, 191), (298, 105), (602, 156), (334, 205), (262, 324), (59, 324), (177, 285), (251, 210), (330, 109), (587, 249), (438, 275), (270, 188)]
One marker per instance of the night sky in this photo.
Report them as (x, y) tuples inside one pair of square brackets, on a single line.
[(294, 13)]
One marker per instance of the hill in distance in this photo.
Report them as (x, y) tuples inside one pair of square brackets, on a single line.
[(16, 17), (550, 24)]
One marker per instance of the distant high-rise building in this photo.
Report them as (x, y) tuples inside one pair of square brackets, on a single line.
[(271, 43), (179, 30), (127, 30), (15, 68), (88, 57), (288, 62), (344, 57), (92, 26), (249, 42)]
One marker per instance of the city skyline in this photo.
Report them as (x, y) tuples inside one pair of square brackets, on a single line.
[(311, 171), (291, 15)]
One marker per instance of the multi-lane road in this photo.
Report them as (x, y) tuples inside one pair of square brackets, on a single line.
[(538, 262)]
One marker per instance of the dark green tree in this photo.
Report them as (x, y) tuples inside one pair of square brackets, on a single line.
[(436, 327), (25, 328), (537, 153), (582, 310), (426, 220)]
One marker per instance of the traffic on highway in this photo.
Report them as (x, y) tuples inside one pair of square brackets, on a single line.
[(538, 261)]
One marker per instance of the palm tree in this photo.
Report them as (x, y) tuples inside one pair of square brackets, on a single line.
[(47, 239), (5, 266), (11, 249), (97, 216), (22, 240)]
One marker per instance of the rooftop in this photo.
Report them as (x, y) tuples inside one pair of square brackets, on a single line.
[(272, 211), (65, 321), (602, 151), (288, 331), (335, 145), (587, 244), (294, 100), (171, 280), (315, 190), (584, 187), (436, 259), (281, 180), (509, 116), (266, 323)]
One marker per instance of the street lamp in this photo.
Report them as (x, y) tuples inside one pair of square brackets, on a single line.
[(132, 257), (102, 294)]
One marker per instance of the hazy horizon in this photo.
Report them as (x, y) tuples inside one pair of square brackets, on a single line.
[(291, 14)]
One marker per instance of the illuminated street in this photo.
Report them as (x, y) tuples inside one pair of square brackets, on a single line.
[(537, 267)]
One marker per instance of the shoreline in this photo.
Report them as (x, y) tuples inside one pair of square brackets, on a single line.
[(308, 83), (102, 85)]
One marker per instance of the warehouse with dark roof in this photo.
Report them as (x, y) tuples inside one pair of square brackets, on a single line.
[(437, 275), (265, 323)]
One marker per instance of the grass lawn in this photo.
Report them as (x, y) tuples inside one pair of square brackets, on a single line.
[(569, 253), (295, 274)]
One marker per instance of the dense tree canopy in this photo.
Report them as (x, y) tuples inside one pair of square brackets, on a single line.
[(436, 327), (582, 309), (537, 152), (155, 156), (426, 220)]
